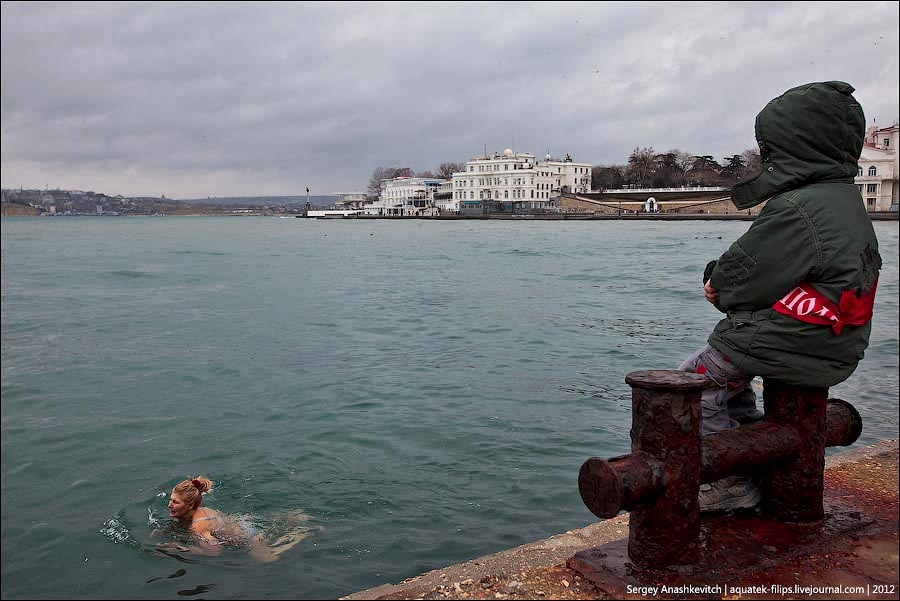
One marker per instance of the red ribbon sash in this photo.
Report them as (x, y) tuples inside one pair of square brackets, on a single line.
[(809, 305)]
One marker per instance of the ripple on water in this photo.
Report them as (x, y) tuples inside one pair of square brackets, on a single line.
[(426, 393)]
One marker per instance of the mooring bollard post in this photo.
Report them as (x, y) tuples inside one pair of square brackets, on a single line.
[(665, 530), (792, 489), (659, 481)]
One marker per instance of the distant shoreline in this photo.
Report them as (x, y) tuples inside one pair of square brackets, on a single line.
[(9, 211), (583, 217)]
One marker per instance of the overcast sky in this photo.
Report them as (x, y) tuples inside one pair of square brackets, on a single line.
[(211, 99)]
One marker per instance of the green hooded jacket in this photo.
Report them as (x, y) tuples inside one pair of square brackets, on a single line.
[(813, 229)]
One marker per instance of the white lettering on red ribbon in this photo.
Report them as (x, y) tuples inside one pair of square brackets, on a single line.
[(797, 294), (807, 304)]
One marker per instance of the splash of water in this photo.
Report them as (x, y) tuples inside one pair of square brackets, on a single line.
[(115, 530), (152, 520)]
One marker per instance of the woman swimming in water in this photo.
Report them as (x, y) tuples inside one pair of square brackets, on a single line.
[(213, 530)]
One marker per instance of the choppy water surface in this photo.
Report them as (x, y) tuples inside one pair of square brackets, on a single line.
[(426, 391)]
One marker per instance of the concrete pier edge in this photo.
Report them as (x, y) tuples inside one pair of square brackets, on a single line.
[(555, 550)]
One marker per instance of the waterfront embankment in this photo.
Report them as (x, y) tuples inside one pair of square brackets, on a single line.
[(882, 216), (861, 563)]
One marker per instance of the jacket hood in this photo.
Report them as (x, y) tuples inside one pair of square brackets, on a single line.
[(811, 133)]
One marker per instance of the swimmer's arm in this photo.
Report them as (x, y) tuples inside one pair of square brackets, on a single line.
[(209, 546), (203, 548), (207, 543)]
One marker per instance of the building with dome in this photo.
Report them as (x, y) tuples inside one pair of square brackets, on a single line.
[(515, 182)]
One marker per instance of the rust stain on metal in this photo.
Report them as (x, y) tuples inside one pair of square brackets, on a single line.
[(659, 481), (854, 545), (670, 517), (792, 488), (747, 549)]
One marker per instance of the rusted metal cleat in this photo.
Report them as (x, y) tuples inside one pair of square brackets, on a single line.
[(660, 480)]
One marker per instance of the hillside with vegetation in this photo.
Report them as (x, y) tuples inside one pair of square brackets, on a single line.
[(77, 202)]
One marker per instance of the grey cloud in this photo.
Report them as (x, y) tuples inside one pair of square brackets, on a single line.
[(198, 99)]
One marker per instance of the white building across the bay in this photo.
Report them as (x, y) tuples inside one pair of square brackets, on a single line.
[(351, 200), (443, 198), (878, 169), (514, 182), (405, 196)]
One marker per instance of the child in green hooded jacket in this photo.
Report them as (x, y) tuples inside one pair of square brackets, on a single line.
[(798, 287)]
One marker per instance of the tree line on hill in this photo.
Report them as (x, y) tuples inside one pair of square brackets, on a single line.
[(645, 169), (674, 169)]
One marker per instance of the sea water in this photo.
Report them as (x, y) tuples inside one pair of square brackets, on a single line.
[(425, 391)]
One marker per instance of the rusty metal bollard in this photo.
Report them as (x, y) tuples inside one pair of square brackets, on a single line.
[(792, 489), (659, 481)]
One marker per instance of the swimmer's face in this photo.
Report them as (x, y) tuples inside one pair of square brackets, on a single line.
[(178, 508)]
